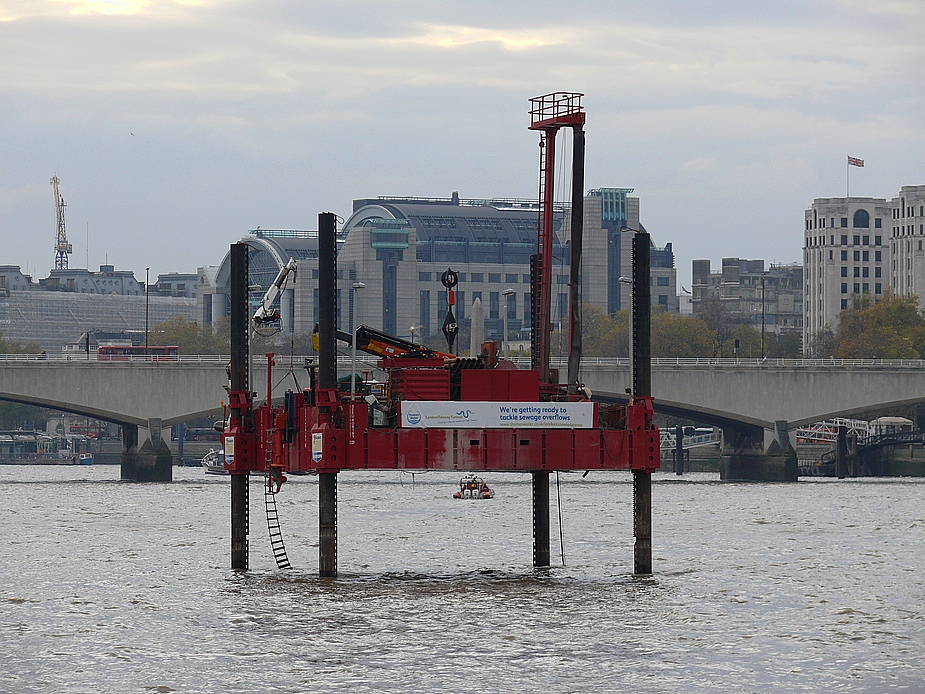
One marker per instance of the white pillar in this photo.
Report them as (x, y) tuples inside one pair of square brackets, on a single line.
[(285, 310), (218, 308)]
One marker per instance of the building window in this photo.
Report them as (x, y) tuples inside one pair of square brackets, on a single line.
[(866, 240), (866, 272), (510, 278), (878, 289), (478, 277), (512, 306), (857, 240), (876, 272), (866, 287), (866, 256), (857, 256), (494, 277), (844, 304), (878, 223), (844, 271), (857, 287), (525, 279), (844, 239), (844, 256), (877, 240), (663, 281), (423, 277), (494, 305), (878, 256), (424, 317), (831, 255), (844, 222), (861, 219), (663, 300), (832, 240), (857, 271), (844, 287), (462, 276)]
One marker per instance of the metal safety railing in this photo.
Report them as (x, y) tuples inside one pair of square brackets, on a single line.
[(554, 105), (520, 360)]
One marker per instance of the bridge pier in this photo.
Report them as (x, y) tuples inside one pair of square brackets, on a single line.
[(753, 454), (152, 461)]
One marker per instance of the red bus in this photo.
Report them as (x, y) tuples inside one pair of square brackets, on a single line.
[(138, 353)]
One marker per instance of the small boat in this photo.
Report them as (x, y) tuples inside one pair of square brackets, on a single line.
[(472, 487), (85, 459), (214, 462)]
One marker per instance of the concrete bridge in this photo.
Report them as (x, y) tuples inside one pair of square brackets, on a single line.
[(757, 402)]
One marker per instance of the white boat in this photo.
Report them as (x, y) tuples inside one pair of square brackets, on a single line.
[(214, 462), (85, 459)]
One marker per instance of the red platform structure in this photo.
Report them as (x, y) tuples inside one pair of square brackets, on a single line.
[(437, 412)]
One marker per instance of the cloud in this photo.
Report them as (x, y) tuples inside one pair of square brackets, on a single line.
[(449, 36), (249, 113)]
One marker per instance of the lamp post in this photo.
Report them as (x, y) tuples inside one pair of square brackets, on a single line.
[(505, 347), (412, 329), (353, 362), (147, 271), (762, 317)]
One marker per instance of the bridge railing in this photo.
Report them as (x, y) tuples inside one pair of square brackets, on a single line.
[(520, 360)]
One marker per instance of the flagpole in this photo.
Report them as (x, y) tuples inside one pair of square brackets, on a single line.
[(848, 179)]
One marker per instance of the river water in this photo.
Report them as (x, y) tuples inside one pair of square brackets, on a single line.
[(109, 586)]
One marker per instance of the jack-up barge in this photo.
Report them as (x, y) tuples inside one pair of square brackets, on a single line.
[(468, 415)]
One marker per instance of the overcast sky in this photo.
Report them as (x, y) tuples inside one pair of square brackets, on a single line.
[(176, 126)]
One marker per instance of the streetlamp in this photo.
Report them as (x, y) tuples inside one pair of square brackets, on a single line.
[(147, 271), (412, 329), (762, 317), (507, 292), (353, 363)]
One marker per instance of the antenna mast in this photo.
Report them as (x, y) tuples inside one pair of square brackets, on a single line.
[(62, 247)]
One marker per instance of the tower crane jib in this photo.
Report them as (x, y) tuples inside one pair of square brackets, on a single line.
[(62, 247)]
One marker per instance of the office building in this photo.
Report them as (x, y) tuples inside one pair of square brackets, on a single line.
[(399, 249)]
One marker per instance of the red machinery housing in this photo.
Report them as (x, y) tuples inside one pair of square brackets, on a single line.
[(327, 430)]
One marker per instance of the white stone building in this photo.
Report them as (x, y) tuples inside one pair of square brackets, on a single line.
[(861, 245)]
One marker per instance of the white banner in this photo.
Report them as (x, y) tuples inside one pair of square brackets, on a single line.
[(448, 414)]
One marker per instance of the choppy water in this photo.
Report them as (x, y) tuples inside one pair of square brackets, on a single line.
[(108, 586)]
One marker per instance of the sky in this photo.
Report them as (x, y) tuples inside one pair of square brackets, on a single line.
[(175, 126)]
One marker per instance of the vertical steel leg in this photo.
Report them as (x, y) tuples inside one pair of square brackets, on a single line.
[(642, 522), (327, 524), (540, 519), (239, 521)]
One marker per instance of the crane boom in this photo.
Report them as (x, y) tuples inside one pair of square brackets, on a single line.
[(265, 312), (62, 247)]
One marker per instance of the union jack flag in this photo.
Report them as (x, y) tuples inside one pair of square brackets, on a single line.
[(852, 161)]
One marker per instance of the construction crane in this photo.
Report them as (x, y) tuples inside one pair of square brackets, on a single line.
[(62, 247)]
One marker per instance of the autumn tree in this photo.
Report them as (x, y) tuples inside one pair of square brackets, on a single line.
[(892, 328), (192, 338), (674, 335)]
